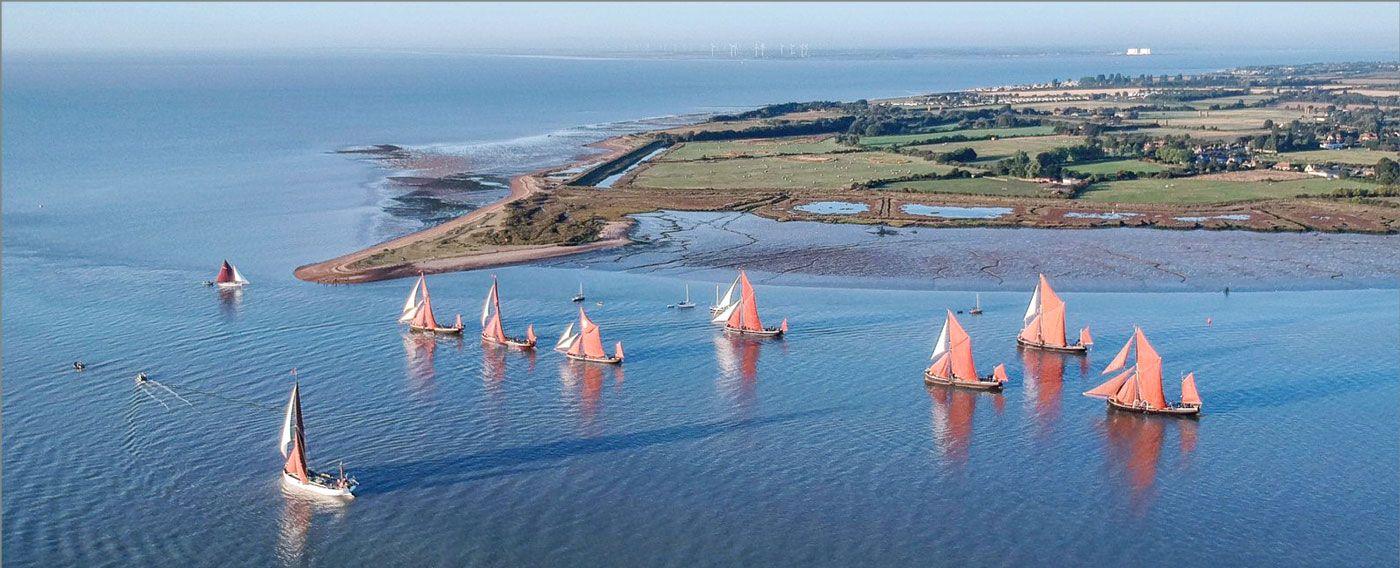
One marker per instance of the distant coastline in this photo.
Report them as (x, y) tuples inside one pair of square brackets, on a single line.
[(557, 211)]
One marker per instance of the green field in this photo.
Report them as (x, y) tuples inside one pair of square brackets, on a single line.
[(1115, 166), (1221, 135), (1241, 119), (976, 186), (992, 150), (1186, 190), (834, 171), (1226, 101), (1355, 156), (759, 147), (973, 133)]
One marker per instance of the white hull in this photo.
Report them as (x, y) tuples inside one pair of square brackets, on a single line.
[(229, 284), (292, 482)]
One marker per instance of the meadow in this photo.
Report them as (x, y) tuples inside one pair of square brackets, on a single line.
[(1357, 157), (971, 133), (1115, 166), (1189, 191), (972, 186), (828, 171), (992, 150), (751, 148)]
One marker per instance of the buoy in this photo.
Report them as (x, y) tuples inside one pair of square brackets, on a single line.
[(1207, 321)]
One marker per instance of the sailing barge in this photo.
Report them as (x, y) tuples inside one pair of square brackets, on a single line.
[(295, 473), (1139, 387), (491, 329), (418, 312), (229, 277), (741, 317), (1044, 324), (952, 361), (587, 344)]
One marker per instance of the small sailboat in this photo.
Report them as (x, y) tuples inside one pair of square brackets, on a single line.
[(418, 312), (1044, 323), (1139, 387), (295, 472), (491, 329), (952, 361), (742, 316), (976, 307), (723, 303), (587, 344), (229, 277), (579, 296), (687, 304)]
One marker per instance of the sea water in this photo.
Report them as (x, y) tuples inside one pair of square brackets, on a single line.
[(127, 180)]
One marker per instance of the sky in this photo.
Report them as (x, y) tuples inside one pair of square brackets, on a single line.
[(169, 26)]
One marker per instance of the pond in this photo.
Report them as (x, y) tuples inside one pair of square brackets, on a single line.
[(834, 207), (956, 212), (1113, 216)]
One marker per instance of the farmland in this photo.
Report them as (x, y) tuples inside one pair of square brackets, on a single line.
[(1187, 190), (972, 186), (972, 134), (1115, 166), (805, 171)]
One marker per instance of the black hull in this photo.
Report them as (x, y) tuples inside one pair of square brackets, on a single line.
[(1078, 349), (1176, 411), (990, 386)]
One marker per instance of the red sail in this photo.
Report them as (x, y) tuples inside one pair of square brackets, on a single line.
[(746, 317), (1149, 366), (1052, 316), (1031, 334), (1111, 387), (1084, 338), (960, 347), (424, 318), (1120, 359), (494, 330), (941, 368), (1188, 390), (530, 333), (590, 341), (225, 273), (999, 374), (296, 459), (1128, 393), (617, 351)]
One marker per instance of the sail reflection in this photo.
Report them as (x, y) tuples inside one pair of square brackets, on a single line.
[(229, 301), (418, 358), (493, 366), (738, 369), (587, 378), (292, 529), (1134, 453), (1045, 382), (953, 409)]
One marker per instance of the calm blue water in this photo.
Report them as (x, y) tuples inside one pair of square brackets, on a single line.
[(823, 449), (956, 212)]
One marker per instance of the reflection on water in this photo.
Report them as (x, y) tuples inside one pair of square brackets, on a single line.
[(587, 380), (953, 409), (229, 301), (1045, 381), (293, 527), (1134, 451), (418, 357), (738, 371)]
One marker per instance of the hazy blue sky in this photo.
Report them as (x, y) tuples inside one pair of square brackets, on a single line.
[(204, 26)]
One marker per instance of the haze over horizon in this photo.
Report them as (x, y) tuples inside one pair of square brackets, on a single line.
[(579, 27)]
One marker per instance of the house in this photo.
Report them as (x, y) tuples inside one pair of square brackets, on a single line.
[(1368, 137), (1283, 166)]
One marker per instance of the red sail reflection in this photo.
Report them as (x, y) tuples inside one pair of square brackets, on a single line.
[(953, 410), (588, 379), (1134, 451), (738, 369), (418, 357), (1045, 381)]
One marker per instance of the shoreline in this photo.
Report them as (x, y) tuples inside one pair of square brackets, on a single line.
[(342, 269)]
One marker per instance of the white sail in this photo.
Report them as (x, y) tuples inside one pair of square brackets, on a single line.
[(486, 306), (287, 422), (724, 315), (238, 276), (1033, 309), (567, 338), (410, 306), (728, 299), (687, 293), (941, 346)]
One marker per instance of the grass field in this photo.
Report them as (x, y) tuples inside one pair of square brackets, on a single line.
[(831, 171), (1225, 101), (976, 186), (759, 147), (1115, 166), (934, 137), (1355, 157), (992, 150), (1185, 190), (1241, 119), (1223, 135)]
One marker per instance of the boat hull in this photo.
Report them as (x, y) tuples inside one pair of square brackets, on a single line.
[(1077, 349), (522, 345), (1181, 411), (932, 380), (603, 360), (291, 481), (229, 284), (685, 305), (766, 333), (437, 330)]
